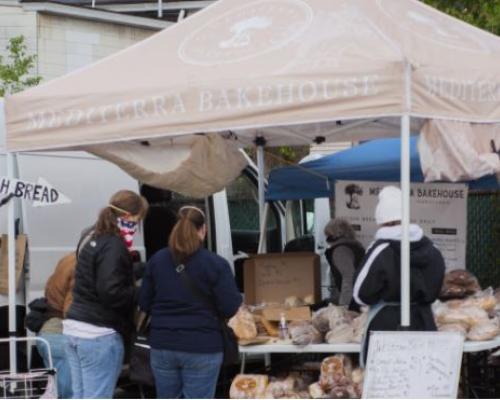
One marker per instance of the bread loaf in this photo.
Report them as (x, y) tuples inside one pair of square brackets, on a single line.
[(279, 389), (243, 324), (248, 386), (316, 391), (303, 333), (340, 334), (485, 330)]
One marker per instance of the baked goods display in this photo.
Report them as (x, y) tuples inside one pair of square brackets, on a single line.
[(337, 378), (246, 386), (474, 316), (458, 284), (303, 333), (243, 324), (331, 324)]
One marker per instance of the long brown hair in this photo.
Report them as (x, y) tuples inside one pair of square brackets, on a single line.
[(184, 239), (122, 203)]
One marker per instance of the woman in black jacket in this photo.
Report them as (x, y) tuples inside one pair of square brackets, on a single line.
[(101, 315), (185, 336), (378, 282)]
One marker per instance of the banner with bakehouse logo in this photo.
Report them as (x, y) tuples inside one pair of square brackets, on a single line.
[(439, 208), (289, 70)]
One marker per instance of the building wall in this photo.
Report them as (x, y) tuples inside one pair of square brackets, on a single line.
[(330, 148), (66, 43), (14, 21)]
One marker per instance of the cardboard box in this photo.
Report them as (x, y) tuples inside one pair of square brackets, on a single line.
[(21, 242), (291, 314), (271, 278)]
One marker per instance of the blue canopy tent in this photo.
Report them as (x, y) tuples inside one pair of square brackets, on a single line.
[(376, 160)]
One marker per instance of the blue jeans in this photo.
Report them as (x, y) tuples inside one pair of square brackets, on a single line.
[(57, 342), (95, 365), (190, 375)]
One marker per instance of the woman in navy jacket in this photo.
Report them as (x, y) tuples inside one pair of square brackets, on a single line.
[(185, 336)]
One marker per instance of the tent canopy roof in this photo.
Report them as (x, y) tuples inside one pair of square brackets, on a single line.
[(288, 70), (376, 160)]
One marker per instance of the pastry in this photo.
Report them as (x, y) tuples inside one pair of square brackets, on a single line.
[(303, 333), (243, 324), (248, 386), (316, 391), (340, 334)]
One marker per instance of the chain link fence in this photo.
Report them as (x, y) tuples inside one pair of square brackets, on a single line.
[(483, 237)]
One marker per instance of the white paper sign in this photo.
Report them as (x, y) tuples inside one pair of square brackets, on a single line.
[(413, 365), (440, 209), (41, 193)]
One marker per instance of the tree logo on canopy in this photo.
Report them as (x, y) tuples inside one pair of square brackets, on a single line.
[(246, 32), (435, 27)]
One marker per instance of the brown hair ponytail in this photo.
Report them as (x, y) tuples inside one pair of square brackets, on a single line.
[(184, 239), (123, 203)]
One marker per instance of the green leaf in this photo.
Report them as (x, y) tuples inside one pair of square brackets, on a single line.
[(16, 69)]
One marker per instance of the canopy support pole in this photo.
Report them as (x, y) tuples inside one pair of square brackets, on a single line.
[(405, 206), (260, 142), (262, 232), (160, 9), (12, 268)]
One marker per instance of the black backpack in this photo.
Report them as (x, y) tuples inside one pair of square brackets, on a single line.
[(39, 313)]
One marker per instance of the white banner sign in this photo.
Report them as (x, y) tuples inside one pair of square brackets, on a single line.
[(41, 193), (439, 208), (413, 365)]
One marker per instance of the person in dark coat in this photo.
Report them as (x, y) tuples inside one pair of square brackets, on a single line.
[(344, 255), (100, 318), (185, 333), (378, 280)]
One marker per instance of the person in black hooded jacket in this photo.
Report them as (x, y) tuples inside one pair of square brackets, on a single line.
[(378, 280)]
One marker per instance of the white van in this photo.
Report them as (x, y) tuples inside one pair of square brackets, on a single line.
[(232, 214)]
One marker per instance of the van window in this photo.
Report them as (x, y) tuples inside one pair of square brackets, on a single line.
[(243, 206), (162, 216)]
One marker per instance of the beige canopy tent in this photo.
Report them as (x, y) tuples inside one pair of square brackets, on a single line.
[(253, 66), (289, 71)]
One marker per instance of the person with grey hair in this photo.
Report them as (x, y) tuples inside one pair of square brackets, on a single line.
[(344, 255)]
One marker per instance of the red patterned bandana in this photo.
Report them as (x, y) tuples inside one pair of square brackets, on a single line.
[(127, 231)]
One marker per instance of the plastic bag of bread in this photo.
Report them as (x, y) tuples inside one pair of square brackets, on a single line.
[(302, 380), (484, 299), (243, 324), (338, 316), (485, 330), (467, 316), (278, 389), (453, 328), (357, 378), (359, 325), (293, 301), (309, 299), (343, 392), (303, 333), (343, 333), (248, 386), (335, 371), (317, 392), (497, 294), (321, 317), (357, 375)]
